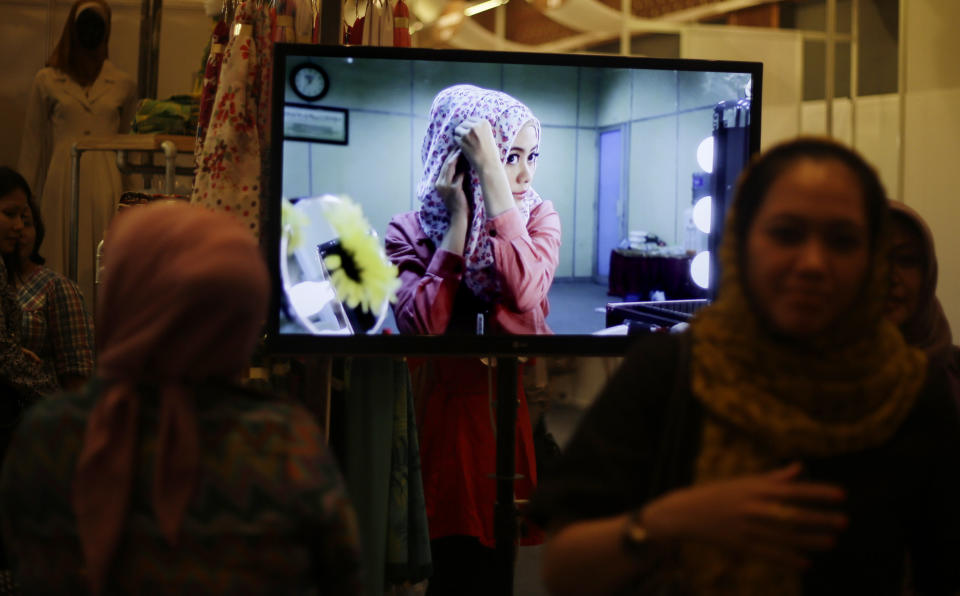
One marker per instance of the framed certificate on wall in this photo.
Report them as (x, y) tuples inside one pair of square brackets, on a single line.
[(315, 124)]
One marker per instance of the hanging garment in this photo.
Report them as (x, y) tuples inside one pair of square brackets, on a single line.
[(378, 24), (305, 17), (60, 112), (353, 20), (228, 174), (458, 452), (408, 537), (401, 25), (263, 66), (354, 35), (282, 16), (211, 75)]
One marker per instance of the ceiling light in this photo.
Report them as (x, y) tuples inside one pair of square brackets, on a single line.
[(451, 19), (483, 6)]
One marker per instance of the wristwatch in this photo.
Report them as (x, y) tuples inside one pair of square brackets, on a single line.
[(635, 537)]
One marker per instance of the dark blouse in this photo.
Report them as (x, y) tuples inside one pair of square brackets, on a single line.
[(269, 514), (22, 381), (641, 438)]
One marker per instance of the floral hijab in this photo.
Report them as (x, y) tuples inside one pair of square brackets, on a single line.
[(507, 117)]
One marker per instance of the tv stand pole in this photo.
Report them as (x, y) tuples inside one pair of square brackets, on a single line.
[(505, 513)]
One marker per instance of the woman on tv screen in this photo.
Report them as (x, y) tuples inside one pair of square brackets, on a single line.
[(480, 254), (478, 257)]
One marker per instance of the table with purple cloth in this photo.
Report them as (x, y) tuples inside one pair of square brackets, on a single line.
[(634, 274)]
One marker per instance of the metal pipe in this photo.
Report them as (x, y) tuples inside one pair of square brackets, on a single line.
[(500, 24), (330, 19), (146, 169), (155, 47), (831, 65), (505, 513), (170, 156), (854, 67), (902, 96), (143, 59), (149, 57), (75, 154), (625, 8)]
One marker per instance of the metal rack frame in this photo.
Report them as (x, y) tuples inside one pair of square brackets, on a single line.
[(170, 145)]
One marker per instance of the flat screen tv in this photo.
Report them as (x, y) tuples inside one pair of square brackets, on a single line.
[(632, 164)]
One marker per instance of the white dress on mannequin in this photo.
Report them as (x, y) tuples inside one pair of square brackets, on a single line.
[(59, 112)]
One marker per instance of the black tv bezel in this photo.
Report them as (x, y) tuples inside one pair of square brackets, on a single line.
[(448, 345)]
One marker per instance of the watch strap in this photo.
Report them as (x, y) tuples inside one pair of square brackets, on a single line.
[(634, 537)]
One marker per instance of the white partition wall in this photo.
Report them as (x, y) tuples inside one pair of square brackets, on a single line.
[(781, 52), (931, 147), (877, 126)]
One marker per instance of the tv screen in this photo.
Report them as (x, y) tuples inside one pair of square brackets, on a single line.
[(456, 202)]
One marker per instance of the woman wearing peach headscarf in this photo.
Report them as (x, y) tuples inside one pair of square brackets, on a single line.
[(79, 94), (165, 474)]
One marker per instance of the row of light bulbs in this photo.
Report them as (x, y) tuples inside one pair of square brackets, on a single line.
[(703, 216)]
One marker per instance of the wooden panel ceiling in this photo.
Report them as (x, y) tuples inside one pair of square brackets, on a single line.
[(650, 9), (525, 24)]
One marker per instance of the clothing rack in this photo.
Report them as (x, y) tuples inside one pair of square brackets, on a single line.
[(657, 314), (169, 145)]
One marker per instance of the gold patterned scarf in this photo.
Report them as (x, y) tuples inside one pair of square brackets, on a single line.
[(769, 401)]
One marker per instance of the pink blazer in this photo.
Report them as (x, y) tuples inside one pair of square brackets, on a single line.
[(526, 258)]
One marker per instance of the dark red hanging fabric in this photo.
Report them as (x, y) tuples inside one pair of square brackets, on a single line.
[(401, 25), (356, 32)]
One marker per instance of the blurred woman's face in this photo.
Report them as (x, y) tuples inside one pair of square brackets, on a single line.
[(807, 249), (521, 162), (28, 236), (12, 206), (907, 270)]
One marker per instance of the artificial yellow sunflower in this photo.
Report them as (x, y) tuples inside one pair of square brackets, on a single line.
[(294, 222), (360, 272)]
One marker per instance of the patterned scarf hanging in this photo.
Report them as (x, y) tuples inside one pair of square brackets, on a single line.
[(211, 77), (228, 174)]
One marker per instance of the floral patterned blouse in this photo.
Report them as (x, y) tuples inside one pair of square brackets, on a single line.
[(230, 164)]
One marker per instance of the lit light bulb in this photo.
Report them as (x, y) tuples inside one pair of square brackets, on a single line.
[(702, 213), (705, 155), (700, 269)]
